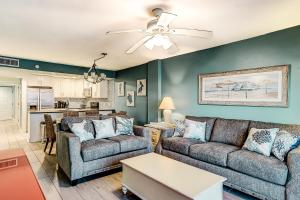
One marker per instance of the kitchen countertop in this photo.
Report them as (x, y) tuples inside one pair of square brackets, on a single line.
[(60, 110)]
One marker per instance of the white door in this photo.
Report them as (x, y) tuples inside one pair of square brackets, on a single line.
[(6, 103)]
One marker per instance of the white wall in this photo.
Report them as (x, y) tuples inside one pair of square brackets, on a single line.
[(16, 84)]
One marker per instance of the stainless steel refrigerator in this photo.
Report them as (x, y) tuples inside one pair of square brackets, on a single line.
[(39, 98)]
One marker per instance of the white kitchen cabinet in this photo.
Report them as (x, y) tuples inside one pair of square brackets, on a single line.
[(78, 88), (56, 87), (68, 87), (36, 80), (87, 84), (104, 89), (100, 90), (95, 91)]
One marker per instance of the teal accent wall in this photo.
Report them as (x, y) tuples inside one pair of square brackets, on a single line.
[(130, 76), (56, 67), (154, 90), (180, 75)]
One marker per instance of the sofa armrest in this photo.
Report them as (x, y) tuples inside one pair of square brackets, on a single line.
[(143, 132), (68, 155), (165, 133), (293, 162), (293, 184)]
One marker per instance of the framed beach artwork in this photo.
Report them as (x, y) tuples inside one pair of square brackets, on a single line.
[(120, 89), (141, 86), (130, 98), (266, 86)]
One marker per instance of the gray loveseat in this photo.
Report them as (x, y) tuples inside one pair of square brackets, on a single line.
[(78, 160), (252, 173)]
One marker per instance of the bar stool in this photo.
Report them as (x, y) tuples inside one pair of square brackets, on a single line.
[(69, 113), (50, 132), (92, 112)]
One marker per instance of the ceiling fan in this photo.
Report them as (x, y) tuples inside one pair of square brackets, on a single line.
[(158, 31)]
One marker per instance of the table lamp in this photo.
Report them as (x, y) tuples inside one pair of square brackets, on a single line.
[(167, 105)]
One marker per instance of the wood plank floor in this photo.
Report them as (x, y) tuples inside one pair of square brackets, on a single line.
[(55, 184)]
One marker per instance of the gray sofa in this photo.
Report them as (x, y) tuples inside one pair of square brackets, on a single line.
[(78, 160), (252, 173)]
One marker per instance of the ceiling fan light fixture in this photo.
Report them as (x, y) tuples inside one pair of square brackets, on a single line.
[(149, 44), (167, 43), (158, 40)]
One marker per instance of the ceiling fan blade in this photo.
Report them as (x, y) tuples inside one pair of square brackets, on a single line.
[(138, 44), (173, 49), (165, 19), (125, 31), (191, 32)]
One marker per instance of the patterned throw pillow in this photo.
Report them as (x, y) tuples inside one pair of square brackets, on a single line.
[(194, 130), (67, 121), (261, 140), (284, 142), (104, 128), (179, 129), (82, 130), (124, 126)]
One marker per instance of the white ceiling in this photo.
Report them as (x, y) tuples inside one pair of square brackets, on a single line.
[(73, 31)]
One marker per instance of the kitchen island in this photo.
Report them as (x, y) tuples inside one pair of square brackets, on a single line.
[(35, 117)]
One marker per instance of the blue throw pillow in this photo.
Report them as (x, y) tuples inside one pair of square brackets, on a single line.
[(124, 126), (179, 129), (284, 142)]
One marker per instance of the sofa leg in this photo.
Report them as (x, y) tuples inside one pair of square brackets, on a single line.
[(74, 182)]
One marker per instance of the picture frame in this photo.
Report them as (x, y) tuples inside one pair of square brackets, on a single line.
[(130, 99), (120, 87), (141, 87), (264, 86)]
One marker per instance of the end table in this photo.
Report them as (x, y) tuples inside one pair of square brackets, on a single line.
[(155, 130)]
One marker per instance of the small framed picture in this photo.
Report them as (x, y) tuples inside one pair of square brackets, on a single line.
[(120, 89), (130, 98), (141, 87)]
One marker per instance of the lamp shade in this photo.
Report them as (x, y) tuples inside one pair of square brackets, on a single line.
[(167, 104)]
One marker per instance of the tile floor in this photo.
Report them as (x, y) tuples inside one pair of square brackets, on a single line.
[(55, 184)]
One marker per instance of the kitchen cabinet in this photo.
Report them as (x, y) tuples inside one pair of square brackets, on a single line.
[(87, 84), (104, 89), (95, 91), (100, 90), (79, 88), (56, 87), (64, 87)]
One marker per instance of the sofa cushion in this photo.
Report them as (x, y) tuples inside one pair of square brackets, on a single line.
[(130, 142), (100, 148), (212, 152), (267, 168), (209, 124), (230, 131), (179, 144)]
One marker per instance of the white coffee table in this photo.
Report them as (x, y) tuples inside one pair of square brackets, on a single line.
[(155, 177)]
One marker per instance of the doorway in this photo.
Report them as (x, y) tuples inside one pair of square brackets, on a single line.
[(7, 102)]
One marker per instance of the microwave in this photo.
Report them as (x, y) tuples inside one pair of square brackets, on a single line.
[(94, 105)]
